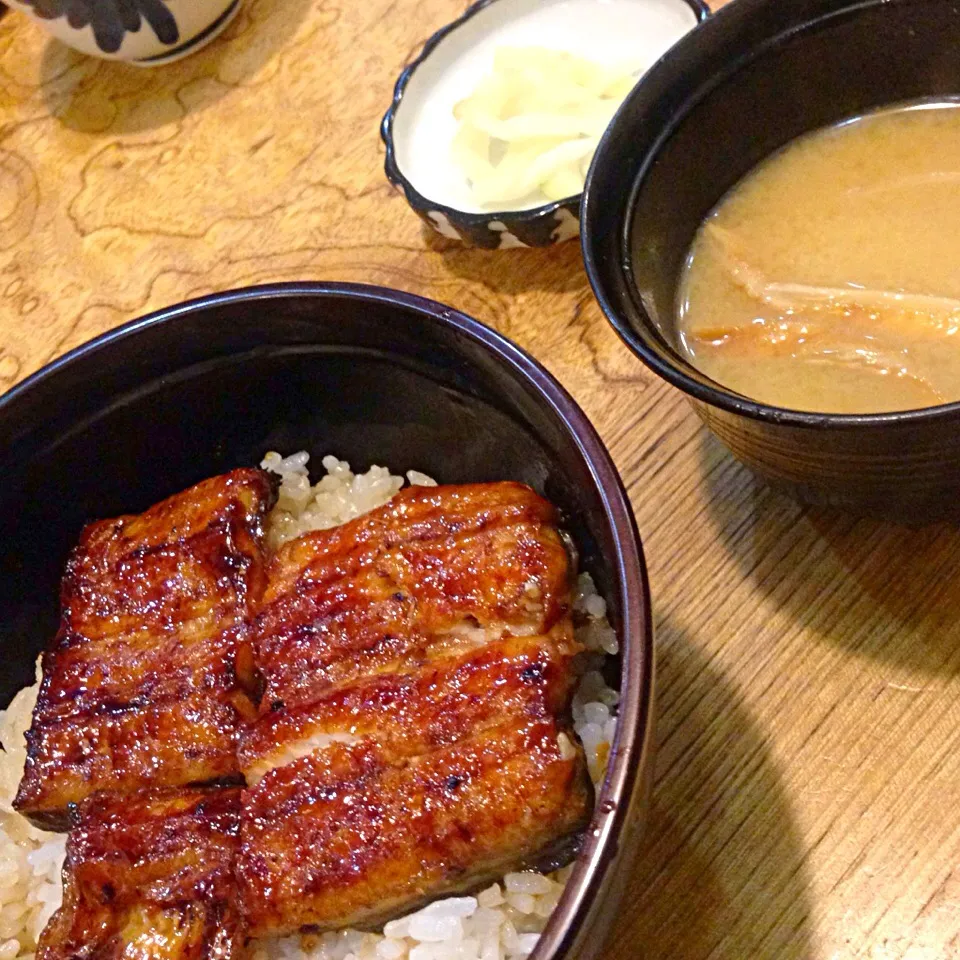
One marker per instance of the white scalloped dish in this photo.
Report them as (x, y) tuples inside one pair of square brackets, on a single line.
[(420, 125)]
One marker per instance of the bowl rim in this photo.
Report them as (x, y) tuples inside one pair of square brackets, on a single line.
[(630, 750), (666, 75), (470, 219)]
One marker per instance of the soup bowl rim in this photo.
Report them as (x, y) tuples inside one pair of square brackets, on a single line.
[(668, 76)]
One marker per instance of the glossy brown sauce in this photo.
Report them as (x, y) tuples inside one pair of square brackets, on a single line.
[(413, 738)]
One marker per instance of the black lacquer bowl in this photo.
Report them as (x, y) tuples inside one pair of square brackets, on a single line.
[(372, 375), (753, 77)]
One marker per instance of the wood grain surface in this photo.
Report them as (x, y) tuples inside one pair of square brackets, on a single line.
[(808, 775)]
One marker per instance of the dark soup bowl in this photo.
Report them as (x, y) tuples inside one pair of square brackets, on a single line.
[(739, 87), (374, 376)]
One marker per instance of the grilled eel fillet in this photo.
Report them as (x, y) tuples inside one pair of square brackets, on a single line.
[(149, 876), (418, 665), (432, 570), (140, 686)]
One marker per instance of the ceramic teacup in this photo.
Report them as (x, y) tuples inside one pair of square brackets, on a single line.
[(142, 32)]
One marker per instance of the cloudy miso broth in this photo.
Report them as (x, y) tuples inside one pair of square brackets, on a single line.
[(828, 279)]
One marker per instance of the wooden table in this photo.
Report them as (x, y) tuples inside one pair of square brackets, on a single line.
[(808, 776)]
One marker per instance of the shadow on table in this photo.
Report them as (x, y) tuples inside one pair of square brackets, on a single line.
[(844, 578), (106, 96), (721, 872), (556, 269)]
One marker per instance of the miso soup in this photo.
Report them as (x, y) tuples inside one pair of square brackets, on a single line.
[(828, 279)]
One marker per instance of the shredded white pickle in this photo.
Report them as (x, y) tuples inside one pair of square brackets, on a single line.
[(532, 125)]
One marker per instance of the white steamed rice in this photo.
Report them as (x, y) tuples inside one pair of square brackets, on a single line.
[(500, 923), (30, 859)]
